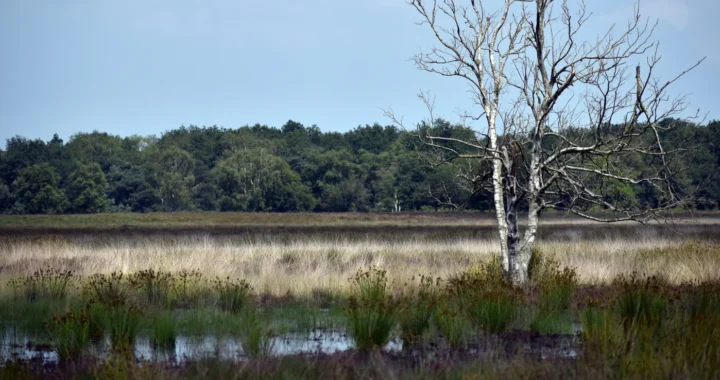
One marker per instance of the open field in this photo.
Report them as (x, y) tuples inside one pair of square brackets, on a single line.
[(337, 295), (297, 254), (239, 219)]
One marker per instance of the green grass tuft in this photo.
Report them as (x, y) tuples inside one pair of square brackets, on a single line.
[(371, 313)]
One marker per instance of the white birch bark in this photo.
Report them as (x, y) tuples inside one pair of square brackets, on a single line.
[(523, 81)]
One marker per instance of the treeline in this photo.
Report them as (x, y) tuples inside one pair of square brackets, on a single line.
[(260, 168)]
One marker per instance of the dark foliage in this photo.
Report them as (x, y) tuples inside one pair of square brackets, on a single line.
[(292, 168)]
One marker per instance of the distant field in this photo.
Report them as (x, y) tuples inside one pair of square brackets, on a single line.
[(234, 219)]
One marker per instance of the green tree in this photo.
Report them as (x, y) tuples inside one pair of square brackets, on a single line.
[(36, 191), (5, 199), (345, 195), (19, 154), (101, 148), (87, 189), (255, 180), (129, 189), (170, 172), (372, 138)]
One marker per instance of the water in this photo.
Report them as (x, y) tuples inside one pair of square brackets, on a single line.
[(14, 347)]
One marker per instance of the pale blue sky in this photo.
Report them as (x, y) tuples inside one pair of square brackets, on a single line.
[(147, 66)]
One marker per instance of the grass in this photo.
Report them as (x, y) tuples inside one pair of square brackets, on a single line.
[(601, 331), (486, 296), (555, 290), (552, 323), (44, 283), (372, 314), (637, 327), (420, 302), (452, 324), (267, 283), (346, 366), (255, 335), (163, 331), (70, 332), (641, 304), (155, 286), (232, 294), (264, 263), (212, 219), (121, 322), (31, 317)]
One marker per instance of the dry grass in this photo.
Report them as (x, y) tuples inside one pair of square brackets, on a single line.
[(235, 219), (303, 265)]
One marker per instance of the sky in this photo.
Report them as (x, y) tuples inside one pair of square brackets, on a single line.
[(148, 66)]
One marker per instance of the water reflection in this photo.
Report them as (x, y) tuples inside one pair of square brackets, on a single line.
[(14, 347)]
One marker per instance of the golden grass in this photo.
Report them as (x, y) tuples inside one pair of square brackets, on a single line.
[(302, 266)]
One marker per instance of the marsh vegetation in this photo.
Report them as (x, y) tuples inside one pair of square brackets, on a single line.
[(362, 301)]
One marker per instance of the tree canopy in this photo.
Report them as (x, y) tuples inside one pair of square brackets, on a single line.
[(286, 169)]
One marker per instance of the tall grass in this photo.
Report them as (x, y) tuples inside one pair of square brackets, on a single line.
[(487, 296), (232, 294), (45, 283), (371, 311), (636, 327), (70, 333), (641, 304), (155, 286), (417, 307), (163, 331), (188, 288), (122, 322), (112, 289), (555, 287), (255, 335), (452, 323), (326, 262), (652, 330)]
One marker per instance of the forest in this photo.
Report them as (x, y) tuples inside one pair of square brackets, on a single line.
[(372, 168)]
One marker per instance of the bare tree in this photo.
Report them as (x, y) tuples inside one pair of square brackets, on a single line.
[(561, 118)]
